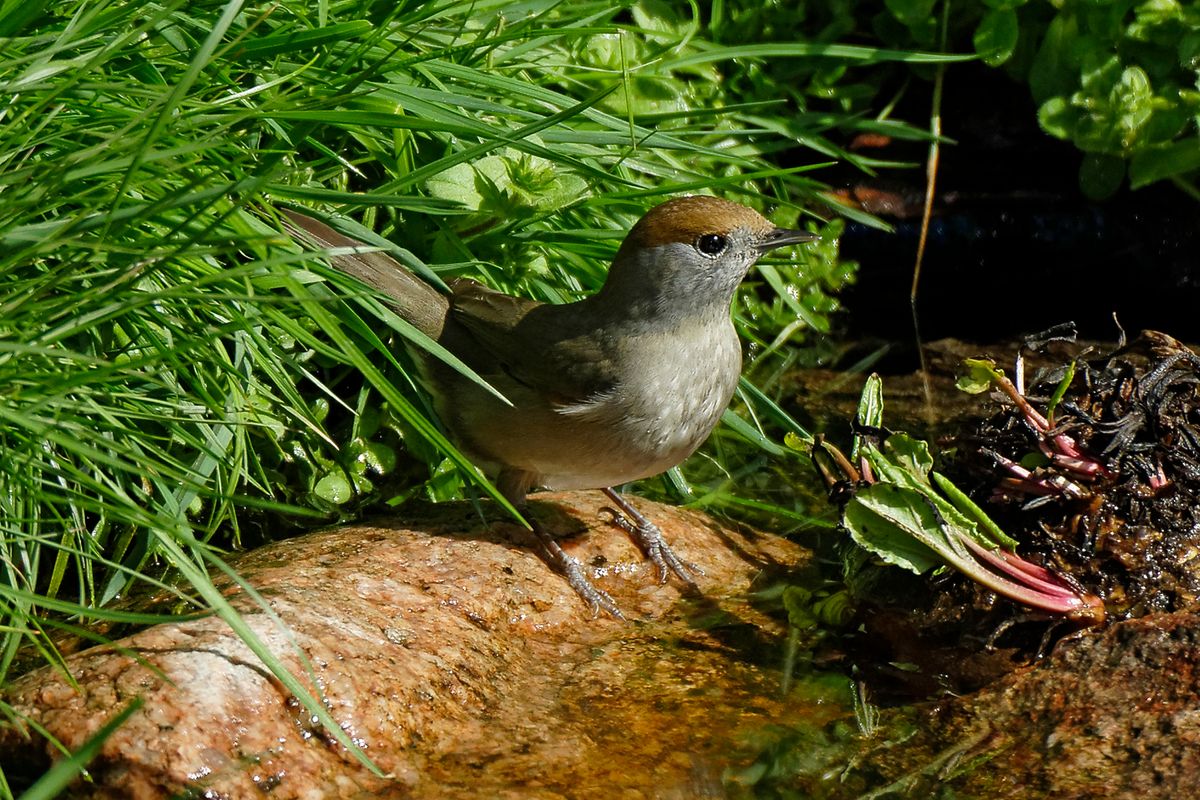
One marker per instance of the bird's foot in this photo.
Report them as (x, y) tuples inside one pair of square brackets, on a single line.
[(571, 569), (650, 539)]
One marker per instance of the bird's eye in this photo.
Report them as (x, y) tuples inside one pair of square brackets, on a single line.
[(712, 244)]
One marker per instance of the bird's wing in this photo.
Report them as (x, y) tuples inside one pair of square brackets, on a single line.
[(532, 344)]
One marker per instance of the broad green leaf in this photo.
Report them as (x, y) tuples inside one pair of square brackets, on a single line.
[(870, 403), (870, 410), (1164, 161), (457, 184), (909, 454), (1057, 117), (996, 37), (889, 522), (909, 472), (334, 488), (1055, 68), (796, 443)]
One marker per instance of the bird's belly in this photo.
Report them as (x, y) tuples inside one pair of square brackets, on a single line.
[(636, 446), (643, 427)]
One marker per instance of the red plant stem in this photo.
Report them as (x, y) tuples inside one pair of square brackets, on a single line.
[(1029, 486), (1021, 575), (1031, 483), (1036, 570), (1065, 444), (868, 474), (1085, 467)]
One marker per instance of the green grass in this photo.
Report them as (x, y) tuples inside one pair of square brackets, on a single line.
[(178, 380)]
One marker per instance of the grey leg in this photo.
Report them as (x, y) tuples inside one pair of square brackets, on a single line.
[(650, 539), (570, 568)]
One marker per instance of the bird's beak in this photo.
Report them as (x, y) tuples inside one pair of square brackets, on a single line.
[(782, 237)]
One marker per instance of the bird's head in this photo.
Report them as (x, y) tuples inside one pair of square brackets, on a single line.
[(692, 252)]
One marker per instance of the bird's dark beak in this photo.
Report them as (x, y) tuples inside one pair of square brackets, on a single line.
[(782, 237)]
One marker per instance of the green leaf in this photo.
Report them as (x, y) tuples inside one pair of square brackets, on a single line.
[(1134, 99), (909, 470), (1055, 68), (835, 610), (978, 377), (911, 13), (910, 454), (303, 39), (751, 433), (870, 410), (1058, 118), (1164, 161), (884, 518), (870, 403), (794, 442), (334, 488), (16, 15), (766, 407), (972, 510), (996, 37), (869, 55), (1060, 391), (457, 184), (798, 602)]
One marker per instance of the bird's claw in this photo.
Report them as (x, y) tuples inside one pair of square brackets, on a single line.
[(650, 539), (571, 569), (598, 599)]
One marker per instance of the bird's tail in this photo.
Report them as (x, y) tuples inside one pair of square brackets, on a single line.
[(413, 299)]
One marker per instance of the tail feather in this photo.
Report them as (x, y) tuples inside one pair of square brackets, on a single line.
[(410, 297)]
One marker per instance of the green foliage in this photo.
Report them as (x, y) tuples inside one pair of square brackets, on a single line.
[(908, 515), (978, 375), (1120, 80)]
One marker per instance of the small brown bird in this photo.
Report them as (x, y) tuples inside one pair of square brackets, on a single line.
[(621, 385)]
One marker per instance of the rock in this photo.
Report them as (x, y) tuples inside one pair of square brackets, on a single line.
[(1112, 714), (450, 653)]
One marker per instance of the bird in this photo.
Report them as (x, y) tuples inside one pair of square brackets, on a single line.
[(620, 385)]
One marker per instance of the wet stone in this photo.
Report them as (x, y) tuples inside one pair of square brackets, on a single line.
[(451, 655)]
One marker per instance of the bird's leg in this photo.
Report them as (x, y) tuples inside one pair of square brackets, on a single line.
[(650, 539), (514, 483), (571, 569)]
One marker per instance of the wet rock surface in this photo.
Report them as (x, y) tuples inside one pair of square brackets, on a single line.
[(452, 655), (1111, 714)]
